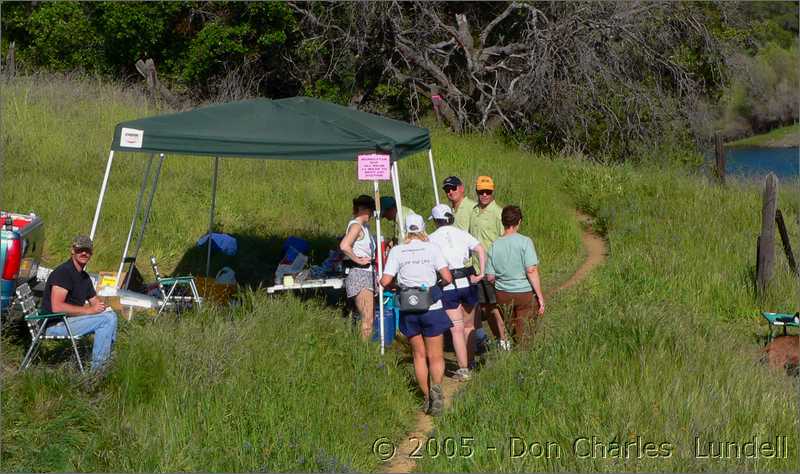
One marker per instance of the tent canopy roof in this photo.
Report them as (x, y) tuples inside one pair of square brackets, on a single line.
[(297, 128)]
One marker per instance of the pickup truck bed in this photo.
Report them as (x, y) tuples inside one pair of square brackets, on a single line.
[(21, 245)]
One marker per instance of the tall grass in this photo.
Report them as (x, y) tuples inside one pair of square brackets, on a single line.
[(660, 345), (278, 384), (274, 385)]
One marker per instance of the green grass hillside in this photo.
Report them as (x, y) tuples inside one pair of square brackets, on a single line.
[(780, 137), (277, 384), (661, 345)]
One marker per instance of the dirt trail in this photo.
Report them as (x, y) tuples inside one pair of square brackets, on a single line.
[(596, 253)]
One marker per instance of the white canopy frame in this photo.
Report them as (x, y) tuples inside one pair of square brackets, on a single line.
[(131, 259)]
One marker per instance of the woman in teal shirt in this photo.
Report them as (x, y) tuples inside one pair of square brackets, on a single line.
[(514, 267)]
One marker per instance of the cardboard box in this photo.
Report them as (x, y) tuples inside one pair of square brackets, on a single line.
[(110, 279)]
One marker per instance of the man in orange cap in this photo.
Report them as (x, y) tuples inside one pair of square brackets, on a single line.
[(486, 225)]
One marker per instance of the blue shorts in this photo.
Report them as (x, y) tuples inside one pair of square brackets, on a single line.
[(433, 323), (467, 296)]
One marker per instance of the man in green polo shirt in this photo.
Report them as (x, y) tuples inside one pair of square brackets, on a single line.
[(389, 212), (462, 205), (486, 225)]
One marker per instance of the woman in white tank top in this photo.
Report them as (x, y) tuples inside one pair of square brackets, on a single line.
[(359, 247)]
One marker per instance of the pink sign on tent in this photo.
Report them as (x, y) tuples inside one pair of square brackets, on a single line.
[(374, 167)]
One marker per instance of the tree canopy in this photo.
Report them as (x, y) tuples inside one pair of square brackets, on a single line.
[(598, 77)]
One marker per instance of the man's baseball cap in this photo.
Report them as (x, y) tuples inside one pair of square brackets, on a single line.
[(484, 182), (414, 223), (82, 242), (387, 204), (440, 211), (451, 181)]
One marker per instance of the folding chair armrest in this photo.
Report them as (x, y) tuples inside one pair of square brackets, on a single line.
[(780, 319), (180, 279), (36, 317)]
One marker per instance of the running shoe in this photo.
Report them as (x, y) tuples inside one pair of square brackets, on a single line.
[(462, 375), (437, 400)]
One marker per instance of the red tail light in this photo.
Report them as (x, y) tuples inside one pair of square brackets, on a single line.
[(13, 256)]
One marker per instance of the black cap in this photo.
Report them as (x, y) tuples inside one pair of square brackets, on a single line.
[(82, 242), (452, 181)]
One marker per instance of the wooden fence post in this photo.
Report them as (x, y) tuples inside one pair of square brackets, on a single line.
[(719, 158), (787, 246), (766, 241)]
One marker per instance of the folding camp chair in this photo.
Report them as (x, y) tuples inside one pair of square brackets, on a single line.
[(167, 286), (37, 324), (784, 320)]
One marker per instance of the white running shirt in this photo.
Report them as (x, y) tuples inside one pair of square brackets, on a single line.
[(415, 264), (455, 245), (365, 246)]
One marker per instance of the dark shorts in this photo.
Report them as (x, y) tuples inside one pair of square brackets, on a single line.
[(486, 293), (433, 323), (467, 296)]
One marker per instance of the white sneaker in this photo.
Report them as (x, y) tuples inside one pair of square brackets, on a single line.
[(462, 375), (505, 344)]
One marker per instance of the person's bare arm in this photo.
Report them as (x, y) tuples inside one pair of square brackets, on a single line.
[(481, 263), (445, 275), (346, 245), (533, 277), (58, 303), (386, 281)]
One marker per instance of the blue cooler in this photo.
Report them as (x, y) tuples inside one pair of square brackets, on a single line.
[(391, 320)]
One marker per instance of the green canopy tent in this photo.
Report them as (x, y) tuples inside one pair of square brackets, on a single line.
[(297, 128)]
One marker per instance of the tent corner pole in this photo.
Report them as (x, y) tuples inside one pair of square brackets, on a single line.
[(401, 220), (379, 258), (135, 216), (211, 213), (433, 176), (145, 217), (102, 195)]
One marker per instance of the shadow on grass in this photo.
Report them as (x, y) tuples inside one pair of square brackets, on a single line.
[(256, 260)]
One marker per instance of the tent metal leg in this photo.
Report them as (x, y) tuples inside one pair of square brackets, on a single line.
[(211, 213), (145, 219), (433, 176), (396, 187), (380, 261), (135, 216), (102, 194)]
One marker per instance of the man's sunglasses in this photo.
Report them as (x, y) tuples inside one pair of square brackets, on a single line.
[(83, 250), (447, 189), (483, 192)]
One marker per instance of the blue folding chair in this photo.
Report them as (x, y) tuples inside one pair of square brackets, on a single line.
[(784, 320)]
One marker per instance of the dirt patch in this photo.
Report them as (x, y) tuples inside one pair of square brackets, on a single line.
[(783, 352), (596, 253)]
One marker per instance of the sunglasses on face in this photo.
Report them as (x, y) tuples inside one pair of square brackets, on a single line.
[(485, 192), (449, 189), (83, 250)]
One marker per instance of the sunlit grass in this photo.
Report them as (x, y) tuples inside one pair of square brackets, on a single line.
[(660, 345), (784, 136), (277, 384)]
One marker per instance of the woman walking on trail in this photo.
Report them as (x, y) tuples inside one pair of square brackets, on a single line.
[(414, 266), (514, 267), (460, 297), (359, 247)]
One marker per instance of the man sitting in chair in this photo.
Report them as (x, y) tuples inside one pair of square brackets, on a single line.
[(70, 290)]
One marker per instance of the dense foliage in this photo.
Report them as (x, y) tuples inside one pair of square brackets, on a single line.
[(597, 77)]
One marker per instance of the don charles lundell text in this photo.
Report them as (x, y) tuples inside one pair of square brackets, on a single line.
[(752, 448)]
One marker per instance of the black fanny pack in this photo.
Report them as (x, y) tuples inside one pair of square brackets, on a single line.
[(416, 299), (462, 272), (352, 264)]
